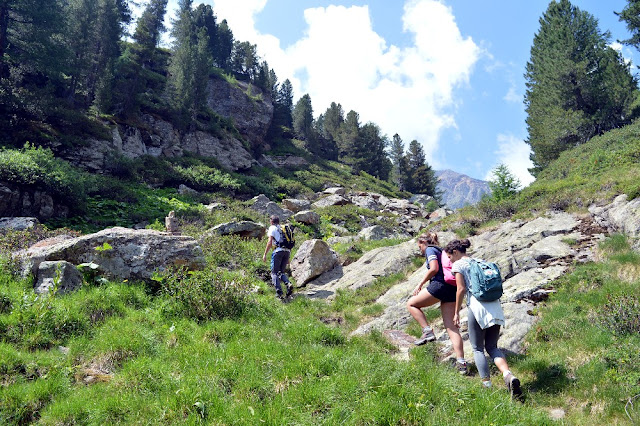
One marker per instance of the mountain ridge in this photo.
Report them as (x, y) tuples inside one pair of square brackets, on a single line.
[(459, 189)]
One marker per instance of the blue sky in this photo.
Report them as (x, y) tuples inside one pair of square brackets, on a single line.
[(448, 73)]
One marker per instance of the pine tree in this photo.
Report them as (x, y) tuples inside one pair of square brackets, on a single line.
[(283, 106), (190, 64), (223, 46), (630, 15), (396, 154), (421, 177), (303, 118), (577, 86), (149, 28), (373, 151), (332, 120), (503, 183)]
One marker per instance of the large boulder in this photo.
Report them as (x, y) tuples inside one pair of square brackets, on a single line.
[(375, 232), (245, 229), (308, 217), (61, 275), (296, 205), (313, 258), (122, 253), (18, 223)]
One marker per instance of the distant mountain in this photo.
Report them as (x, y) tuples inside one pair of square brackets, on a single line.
[(459, 190)]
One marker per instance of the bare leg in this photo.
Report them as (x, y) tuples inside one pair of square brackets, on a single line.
[(447, 310), (422, 300)]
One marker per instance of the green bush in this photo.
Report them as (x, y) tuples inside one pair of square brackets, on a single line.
[(38, 168), (206, 295), (621, 315)]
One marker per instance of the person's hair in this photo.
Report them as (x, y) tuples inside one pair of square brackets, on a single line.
[(460, 245), (429, 238), (275, 219)]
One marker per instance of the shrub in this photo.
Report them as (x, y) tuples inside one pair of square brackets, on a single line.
[(206, 295), (621, 315), (37, 167)]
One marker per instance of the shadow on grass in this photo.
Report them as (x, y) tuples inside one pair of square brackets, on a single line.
[(551, 379)]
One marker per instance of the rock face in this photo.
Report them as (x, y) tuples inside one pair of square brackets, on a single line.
[(530, 255), (134, 254), (459, 190), (313, 258), (296, 205), (308, 217), (18, 200), (250, 108), (620, 216), (245, 105)]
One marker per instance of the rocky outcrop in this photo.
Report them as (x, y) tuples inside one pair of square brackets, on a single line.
[(296, 205), (530, 255), (313, 258), (122, 253), (331, 200), (250, 109), (458, 189), (621, 216), (17, 200)]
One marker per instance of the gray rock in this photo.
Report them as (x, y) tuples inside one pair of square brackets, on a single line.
[(250, 109), (372, 265), (336, 190), (308, 217), (267, 207), (18, 223), (375, 232), (296, 205), (620, 216), (331, 200), (214, 206), (184, 189), (366, 202), (421, 199), (245, 229), (229, 151), (134, 254), (313, 258), (60, 274), (18, 201)]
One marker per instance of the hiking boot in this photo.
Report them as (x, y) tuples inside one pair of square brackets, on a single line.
[(513, 386), (427, 336), (289, 290), (462, 368), (280, 295)]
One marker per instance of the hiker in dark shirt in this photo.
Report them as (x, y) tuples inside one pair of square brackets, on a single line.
[(279, 258)]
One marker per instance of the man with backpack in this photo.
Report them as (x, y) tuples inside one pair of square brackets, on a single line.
[(282, 240)]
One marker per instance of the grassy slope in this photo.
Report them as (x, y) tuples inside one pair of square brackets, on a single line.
[(153, 361)]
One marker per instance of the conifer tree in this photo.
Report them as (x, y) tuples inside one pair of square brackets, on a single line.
[(630, 15), (190, 63), (223, 46), (303, 118), (503, 183), (577, 86), (396, 154), (421, 177)]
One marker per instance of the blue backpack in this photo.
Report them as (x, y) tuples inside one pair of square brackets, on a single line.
[(486, 281)]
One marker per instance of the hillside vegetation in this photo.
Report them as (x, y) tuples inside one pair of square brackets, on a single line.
[(188, 350)]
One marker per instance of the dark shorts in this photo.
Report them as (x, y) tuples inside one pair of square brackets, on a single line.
[(444, 292)]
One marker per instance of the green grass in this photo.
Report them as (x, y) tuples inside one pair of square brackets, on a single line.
[(584, 353)]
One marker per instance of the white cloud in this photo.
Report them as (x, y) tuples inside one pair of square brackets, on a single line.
[(405, 90), (512, 95), (514, 153)]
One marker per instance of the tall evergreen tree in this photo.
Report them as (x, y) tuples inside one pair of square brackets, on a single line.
[(94, 30), (283, 106), (577, 86), (223, 46), (149, 29), (244, 59), (332, 120), (303, 118), (503, 183), (190, 63), (421, 177), (396, 154), (630, 15), (204, 17), (373, 156)]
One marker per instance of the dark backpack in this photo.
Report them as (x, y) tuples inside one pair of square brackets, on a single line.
[(286, 239), (486, 282)]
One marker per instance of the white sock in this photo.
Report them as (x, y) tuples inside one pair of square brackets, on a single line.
[(506, 373), (461, 361)]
